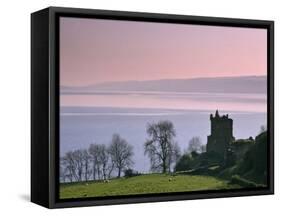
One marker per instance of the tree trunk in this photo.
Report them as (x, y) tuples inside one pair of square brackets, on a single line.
[(104, 173), (164, 166), (119, 172), (86, 172), (99, 173), (94, 172)]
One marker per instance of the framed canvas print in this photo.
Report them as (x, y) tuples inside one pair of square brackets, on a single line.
[(139, 107)]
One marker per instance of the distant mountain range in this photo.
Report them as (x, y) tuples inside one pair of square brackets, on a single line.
[(245, 84)]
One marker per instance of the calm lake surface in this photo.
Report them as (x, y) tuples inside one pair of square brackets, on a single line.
[(93, 118)]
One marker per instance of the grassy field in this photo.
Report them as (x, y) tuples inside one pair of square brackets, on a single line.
[(144, 184)]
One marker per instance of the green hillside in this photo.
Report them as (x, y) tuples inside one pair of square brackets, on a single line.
[(143, 184)]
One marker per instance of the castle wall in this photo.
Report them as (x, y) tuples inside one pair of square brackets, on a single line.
[(221, 134)]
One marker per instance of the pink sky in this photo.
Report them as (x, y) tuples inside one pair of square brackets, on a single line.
[(94, 51)]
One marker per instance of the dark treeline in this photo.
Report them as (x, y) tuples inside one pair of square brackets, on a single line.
[(98, 162)]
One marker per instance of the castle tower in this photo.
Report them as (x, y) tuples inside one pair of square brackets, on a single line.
[(221, 134)]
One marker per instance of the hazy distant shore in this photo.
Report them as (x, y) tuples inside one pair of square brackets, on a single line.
[(242, 84)]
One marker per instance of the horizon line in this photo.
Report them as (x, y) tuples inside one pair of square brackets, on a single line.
[(192, 78)]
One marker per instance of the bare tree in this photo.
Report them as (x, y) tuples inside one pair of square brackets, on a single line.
[(102, 164), (63, 171), (86, 160), (94, 151), (78, 160), (195, 145), (84, 164), (174, 156), (106, 164), (70, 166), (161, 147), (121, 153)]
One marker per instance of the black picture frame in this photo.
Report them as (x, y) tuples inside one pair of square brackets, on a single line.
[(45, 105)]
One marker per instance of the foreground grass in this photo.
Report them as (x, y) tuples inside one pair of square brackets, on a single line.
[(144, 184)]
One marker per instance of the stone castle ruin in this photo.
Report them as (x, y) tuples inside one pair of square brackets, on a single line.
[(221, 137)]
